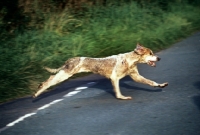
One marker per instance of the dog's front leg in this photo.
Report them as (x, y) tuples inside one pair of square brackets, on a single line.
[(115, 83), (138, 78)]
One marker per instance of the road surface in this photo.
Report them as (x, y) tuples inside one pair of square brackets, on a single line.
[(86, 106)]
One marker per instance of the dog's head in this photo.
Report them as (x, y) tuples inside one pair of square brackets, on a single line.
[(147, 55)]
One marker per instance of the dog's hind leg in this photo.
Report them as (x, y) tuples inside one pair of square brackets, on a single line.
[(115, 83), (53, 80)]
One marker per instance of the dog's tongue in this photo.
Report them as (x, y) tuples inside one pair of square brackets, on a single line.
[(152, 63)]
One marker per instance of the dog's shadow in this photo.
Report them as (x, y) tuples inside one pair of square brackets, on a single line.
[(139, 88), (196, 98), (103, 84)]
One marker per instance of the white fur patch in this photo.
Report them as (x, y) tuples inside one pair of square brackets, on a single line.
[(151, 58)]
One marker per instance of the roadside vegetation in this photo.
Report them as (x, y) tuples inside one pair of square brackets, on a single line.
[(48, 35)]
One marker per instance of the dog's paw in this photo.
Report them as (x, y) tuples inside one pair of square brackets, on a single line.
[(163, 85), (34, 96), (124, 98)]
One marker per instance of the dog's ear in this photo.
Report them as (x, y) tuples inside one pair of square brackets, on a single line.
[(138, 44), (139, 49)]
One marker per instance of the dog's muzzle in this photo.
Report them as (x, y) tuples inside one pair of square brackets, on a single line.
[(153, 63)]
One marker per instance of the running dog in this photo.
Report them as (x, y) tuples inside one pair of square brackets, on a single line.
[(113, 67)]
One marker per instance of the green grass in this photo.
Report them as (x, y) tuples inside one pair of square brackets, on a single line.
[(100, 32)]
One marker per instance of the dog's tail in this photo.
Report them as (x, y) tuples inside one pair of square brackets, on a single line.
[(53, 70)]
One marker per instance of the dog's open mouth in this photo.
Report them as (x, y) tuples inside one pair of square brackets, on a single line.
[(151, 63)]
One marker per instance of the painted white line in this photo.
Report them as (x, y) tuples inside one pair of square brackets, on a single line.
[(43, 107), (71, 93), (91, 82), (55, 101), (20, 119), (81, 88), (49, 104), (77, 90), (3, 129)]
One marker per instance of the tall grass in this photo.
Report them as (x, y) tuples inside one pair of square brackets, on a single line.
[(99, 32)]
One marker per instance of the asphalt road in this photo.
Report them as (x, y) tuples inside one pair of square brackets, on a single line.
[(86, 106)]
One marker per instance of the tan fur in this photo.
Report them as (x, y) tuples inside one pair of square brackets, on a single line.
[(113, 67)]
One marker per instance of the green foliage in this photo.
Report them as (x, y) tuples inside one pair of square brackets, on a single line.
[(96, 32)]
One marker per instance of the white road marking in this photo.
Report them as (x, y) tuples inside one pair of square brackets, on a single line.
[(43, 107), (91, 83), (56, 101), (81, 88), (77, 90), (20, 119), (51, 103), (71, 93)]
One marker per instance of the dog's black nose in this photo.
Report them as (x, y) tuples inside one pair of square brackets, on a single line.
[(158, 58)]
